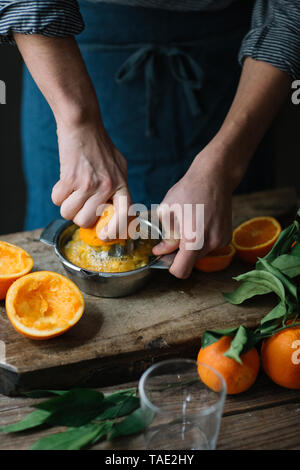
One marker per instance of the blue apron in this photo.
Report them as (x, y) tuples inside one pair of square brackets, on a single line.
[(165, 81)]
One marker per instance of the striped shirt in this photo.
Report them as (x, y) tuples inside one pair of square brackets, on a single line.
[(274, 36)]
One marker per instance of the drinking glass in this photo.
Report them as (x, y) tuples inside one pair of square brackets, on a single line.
[(179, 410)]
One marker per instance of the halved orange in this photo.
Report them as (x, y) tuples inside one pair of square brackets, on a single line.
[(44, 304), (217, 260), (14, 263), (255, 238), (90, 235)]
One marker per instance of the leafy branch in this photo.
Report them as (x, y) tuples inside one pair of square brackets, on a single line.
[(273, 273), (88, 415)]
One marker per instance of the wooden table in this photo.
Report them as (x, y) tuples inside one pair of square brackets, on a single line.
[(266, 417)]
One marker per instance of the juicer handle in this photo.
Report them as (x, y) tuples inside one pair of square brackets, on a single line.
[(49, 234), (165, 261)]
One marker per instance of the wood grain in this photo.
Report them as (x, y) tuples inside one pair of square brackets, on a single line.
[(118, 338), (265, 417)]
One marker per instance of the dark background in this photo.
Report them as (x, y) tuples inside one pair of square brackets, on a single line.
[(285, 134)]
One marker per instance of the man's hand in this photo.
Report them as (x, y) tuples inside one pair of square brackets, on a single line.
[(92, 171), (204, 183), (219, 168)]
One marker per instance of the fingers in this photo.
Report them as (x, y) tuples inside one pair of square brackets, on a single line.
[(118, 225), (72, 205), (87, 215), (60, 192), (183, 263), (165, 247)]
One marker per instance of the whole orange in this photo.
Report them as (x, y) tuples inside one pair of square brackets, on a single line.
[(281, 357), (238, 377)]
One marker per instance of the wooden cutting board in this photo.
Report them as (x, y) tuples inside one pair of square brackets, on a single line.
[(117, 339)]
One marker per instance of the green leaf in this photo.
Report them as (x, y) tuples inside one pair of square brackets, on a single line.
[(288, 264), (122, 408), (245, 291), (237, 344), (135, 422), (212, 336), (75, 408), (32, 420), (275, 314), (265, 279), (284, 241), (73, 439), (117, 397), (295, 251), (290, 287)]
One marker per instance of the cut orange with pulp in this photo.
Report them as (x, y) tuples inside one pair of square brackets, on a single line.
[(14, 263), (44, 304), (255, 238), (90, 235), (217, 260)]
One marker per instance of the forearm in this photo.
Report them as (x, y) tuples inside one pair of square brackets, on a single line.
[(59, 71), (260, 94)]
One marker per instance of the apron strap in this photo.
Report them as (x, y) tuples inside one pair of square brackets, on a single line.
[(184, 69)]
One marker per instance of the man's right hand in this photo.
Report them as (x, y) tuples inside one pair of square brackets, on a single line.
[(92, 172)]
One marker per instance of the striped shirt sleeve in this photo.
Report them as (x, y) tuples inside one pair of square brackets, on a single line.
[(274, 36), (52, 18)]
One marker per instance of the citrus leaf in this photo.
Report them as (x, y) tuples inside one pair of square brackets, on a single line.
[(117, 397), (73, 439), (32, 420), (237, 344), (290, 287), (295, 251), (75, 408), (246, 291), (275, 314), (212, 336), (122, 408), (135, 422), (284, 241), (288, 264), (264, 279)]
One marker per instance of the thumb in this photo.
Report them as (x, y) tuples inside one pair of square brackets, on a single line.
[(165, 247)]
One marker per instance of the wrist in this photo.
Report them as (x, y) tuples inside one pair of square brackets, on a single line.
[(224, 159), (76, 112)]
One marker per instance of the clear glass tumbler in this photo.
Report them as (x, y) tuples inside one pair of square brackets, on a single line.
[(180, 411)]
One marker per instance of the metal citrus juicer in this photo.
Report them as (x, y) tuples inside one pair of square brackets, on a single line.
[(118, 248), (107, 284)]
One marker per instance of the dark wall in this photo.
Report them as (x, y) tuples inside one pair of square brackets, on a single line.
[(12, 188)]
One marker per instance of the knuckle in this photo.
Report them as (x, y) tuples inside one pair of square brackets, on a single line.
[(65, 213), (89, 184), (107, 185), (214, 242), (68, 181), (55, 198), (81, 220)]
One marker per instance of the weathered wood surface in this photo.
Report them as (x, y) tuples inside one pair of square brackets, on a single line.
[(265, 417), (118, 338)]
